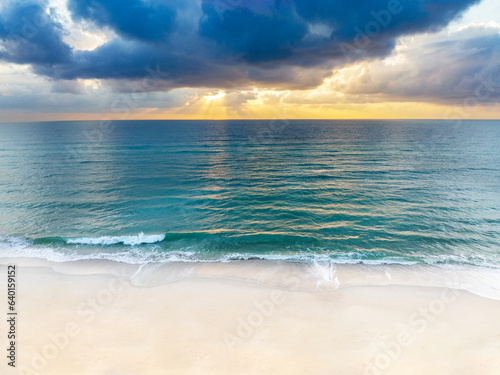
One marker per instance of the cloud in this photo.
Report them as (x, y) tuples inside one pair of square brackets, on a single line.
[(29, 35), (68, 87), (286, 31), (256, 35), (240, 45), (136, 19), (454, 68), (223, 43), (394, 17)]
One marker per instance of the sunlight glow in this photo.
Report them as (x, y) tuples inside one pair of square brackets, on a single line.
[(210, 97)]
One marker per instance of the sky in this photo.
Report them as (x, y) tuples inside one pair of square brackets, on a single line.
[(242, 59)]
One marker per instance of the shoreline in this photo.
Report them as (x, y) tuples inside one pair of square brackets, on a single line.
[(102, 323), (293, 276)]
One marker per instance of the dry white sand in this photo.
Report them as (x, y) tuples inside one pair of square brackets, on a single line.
[(100, 323)]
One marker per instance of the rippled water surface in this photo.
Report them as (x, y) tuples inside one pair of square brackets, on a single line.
[(370, 191)]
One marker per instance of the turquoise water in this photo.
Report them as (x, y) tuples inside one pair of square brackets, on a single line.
[(344, 191)]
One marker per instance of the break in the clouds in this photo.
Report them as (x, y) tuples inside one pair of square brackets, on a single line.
[(76, 55)]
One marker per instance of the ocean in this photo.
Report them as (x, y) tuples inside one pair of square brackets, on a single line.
[(370, 192)]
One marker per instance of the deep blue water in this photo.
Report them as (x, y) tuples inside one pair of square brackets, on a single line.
[(348, 191)]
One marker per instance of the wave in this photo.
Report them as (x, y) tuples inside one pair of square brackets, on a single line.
[(299, 272), (203, 247), (134, 240), (144, 239)]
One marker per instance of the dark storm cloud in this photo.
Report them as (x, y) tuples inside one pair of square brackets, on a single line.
[(255, 36), (222, 43), (148, 21), (283, 30), (397, 17), (28, 35)]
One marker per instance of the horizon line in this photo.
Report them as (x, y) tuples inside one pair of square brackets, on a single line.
[(258, 119)]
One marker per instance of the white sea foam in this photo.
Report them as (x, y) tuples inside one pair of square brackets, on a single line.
[(132, 253), (11, 246), (13, 242), (133, 240), (14, 247), (303, 271)]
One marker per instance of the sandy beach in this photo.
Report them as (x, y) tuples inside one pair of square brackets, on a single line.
[(96, 318)]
